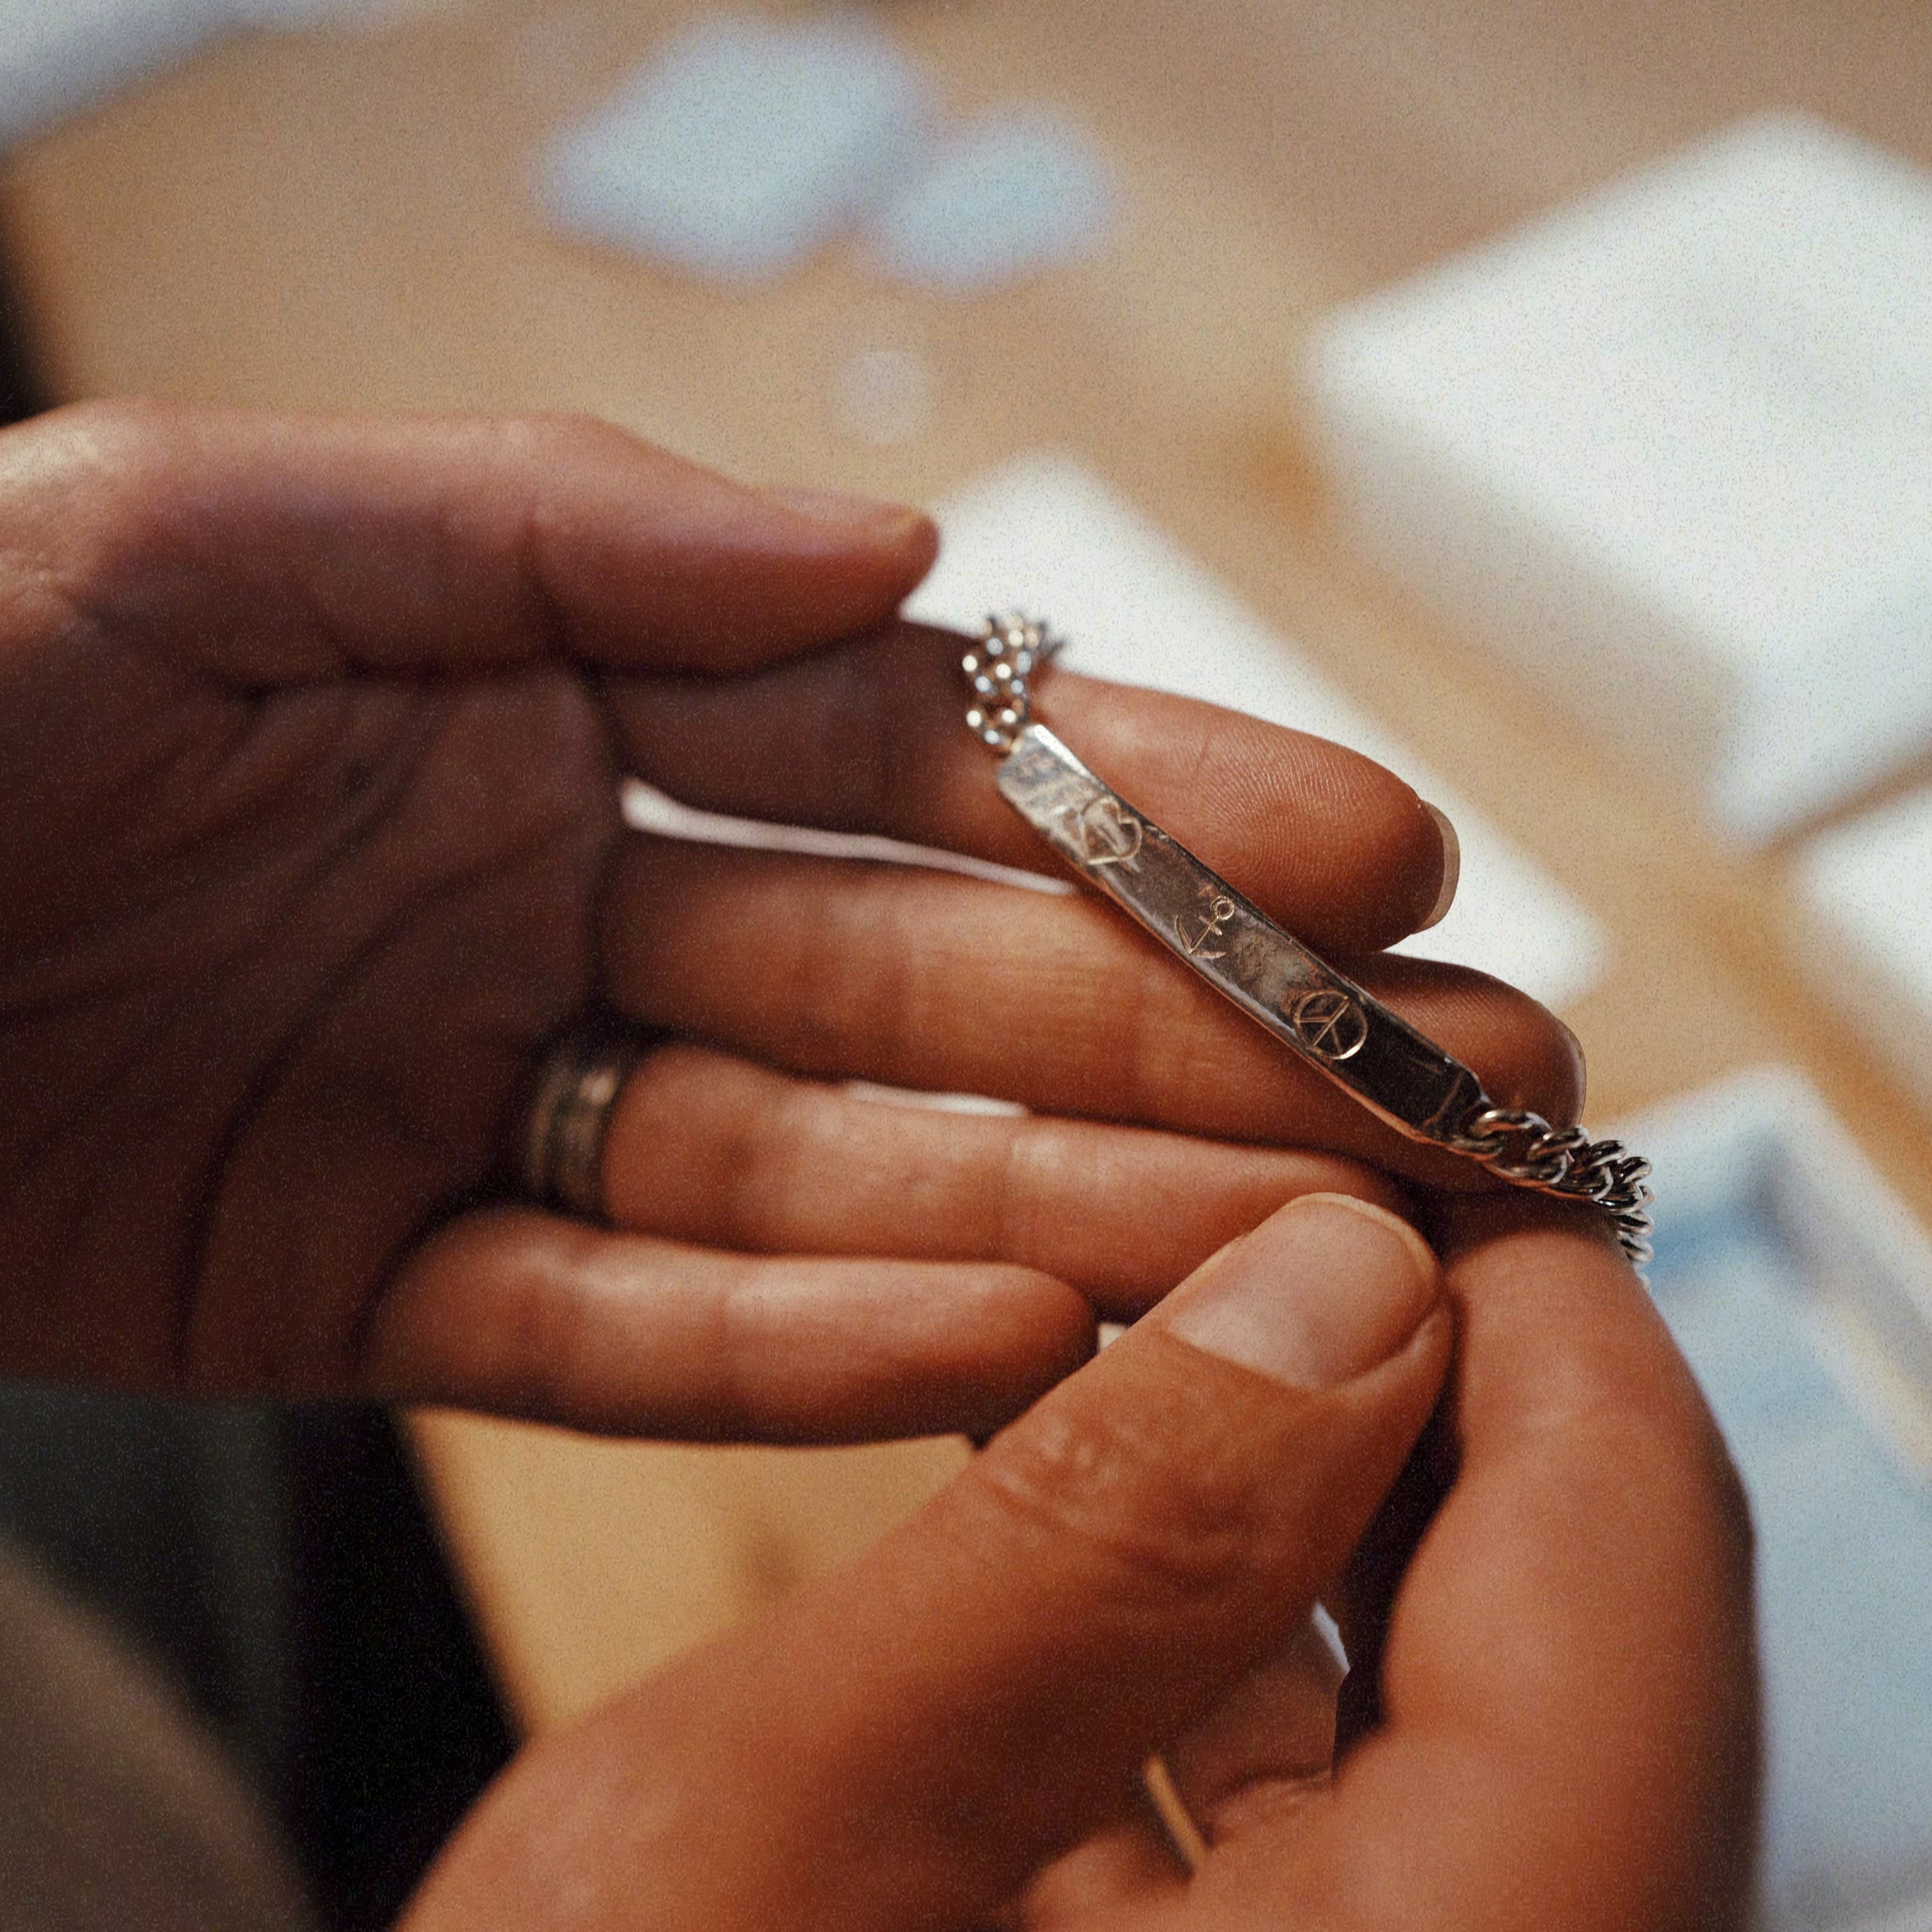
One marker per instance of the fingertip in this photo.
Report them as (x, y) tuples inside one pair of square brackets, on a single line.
[(1553, 1066), (1524, 1056), (1395, 873), (1031, 1333), (1323, 1291), (1421, 1256), (1335, 846), (866, 522), (1579, 1065)]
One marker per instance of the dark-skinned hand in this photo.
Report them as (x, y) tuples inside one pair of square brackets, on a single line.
[(310, 733)]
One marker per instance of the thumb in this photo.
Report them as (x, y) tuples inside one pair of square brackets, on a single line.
[(269, 548), (908, 1742)]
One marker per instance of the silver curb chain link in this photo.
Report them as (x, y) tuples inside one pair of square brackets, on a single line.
[(1514, 1144), (1000, 669), (1525, 1149)]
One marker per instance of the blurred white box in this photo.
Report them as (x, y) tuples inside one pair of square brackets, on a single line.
[(743, 144), (1045, 534), (1670, 449), (56, 58), (59, 57), (1865, 889)]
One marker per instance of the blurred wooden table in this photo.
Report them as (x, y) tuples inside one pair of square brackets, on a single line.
[(341, 220)]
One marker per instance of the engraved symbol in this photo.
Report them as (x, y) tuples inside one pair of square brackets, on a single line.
[(1329, 1023), (1213, 923), (1107, 835)]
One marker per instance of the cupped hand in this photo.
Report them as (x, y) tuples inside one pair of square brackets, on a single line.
[(1547, 1605), (310, 736)]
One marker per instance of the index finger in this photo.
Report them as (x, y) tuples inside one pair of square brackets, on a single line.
[(1568, 1688), (871, 736)]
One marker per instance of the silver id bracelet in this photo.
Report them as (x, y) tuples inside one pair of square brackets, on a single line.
[(1399, 1074)]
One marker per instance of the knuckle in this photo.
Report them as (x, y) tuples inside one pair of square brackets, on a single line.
[(1014, 1190), (1108, 1493), (87, 485), (870, 975), (566, 427), (130, 427), (124, 449), (552, 438)]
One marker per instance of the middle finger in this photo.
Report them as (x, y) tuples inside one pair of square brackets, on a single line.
[(918, 979)]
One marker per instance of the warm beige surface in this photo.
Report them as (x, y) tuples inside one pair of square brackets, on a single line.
[(588, 1562), (341, 221)]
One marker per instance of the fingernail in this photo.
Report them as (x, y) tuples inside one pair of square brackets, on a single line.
[(1318, 1294), (1577, 1060), (834, 506), (1452, 867)]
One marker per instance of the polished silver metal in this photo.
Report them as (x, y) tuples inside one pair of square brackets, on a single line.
[(560, 1157), (1000, 669), (1399, 1074)]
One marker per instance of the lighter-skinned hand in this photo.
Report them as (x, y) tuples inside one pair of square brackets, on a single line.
[(1547, 1605)]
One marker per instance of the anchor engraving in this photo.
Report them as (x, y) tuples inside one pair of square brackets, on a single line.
[(1213, 923)]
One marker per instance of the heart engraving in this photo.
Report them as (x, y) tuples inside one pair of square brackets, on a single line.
[(1107, 835)]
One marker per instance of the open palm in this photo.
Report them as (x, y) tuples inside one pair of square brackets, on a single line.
[(310, 733)]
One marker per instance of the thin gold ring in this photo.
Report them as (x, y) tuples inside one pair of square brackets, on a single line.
[(1187, 1837)]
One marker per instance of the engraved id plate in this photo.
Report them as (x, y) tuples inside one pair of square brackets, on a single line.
[(1328, 1020)]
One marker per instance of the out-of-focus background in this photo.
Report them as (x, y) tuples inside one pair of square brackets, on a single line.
[(1539, 398)]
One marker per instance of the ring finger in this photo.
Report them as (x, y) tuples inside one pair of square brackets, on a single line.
[(705, 1147), (743, 1294)]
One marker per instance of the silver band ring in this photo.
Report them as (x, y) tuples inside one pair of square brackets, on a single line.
[(560, 1154)]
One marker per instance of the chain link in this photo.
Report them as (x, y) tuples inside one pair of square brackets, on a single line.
[(1524, 1148), (1006, 652)]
